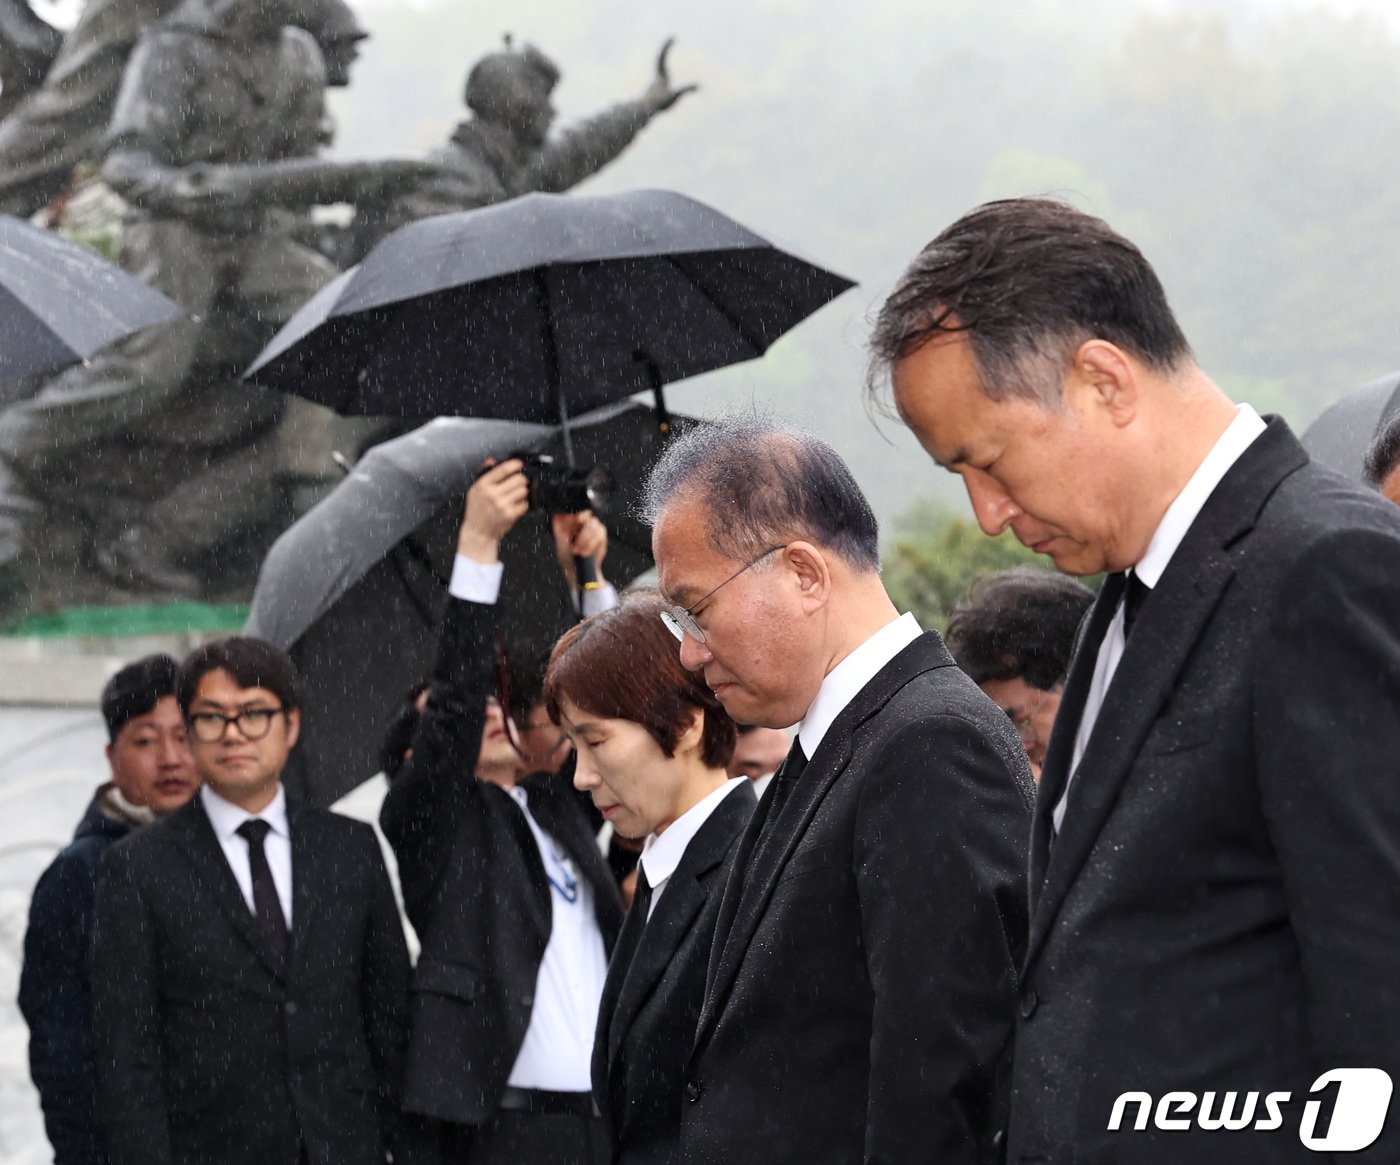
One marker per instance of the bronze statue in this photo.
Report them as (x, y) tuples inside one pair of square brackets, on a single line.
[(211, 144), (59, 91), (504, 148)]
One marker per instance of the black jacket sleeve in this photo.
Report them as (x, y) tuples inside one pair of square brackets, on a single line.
[(54, 997), (436, 786)]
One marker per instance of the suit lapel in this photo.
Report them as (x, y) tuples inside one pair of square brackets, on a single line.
[(1163, 638), (685, 896), (196, 838), (1060, 754), (755, 877), (562, 821), (307, 891)]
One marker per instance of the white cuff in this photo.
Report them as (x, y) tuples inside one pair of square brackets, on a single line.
[(598, 600), (477, 582)]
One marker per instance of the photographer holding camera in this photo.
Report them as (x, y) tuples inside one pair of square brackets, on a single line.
[(502, 878)]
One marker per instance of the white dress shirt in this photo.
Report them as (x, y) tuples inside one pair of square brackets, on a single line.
[(557, 1052), (1229, 447), (226, 817), (662, 852), (480, 582), (844, 682)]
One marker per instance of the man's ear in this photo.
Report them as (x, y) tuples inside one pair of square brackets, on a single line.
[(1104, 379), (812, 572), (293, 726), (690, 737)]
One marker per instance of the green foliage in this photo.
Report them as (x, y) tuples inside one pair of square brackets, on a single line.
[(935, 557)]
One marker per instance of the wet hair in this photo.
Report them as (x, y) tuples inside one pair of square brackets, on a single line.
[(1383, 457), (624, 665), (253, 663), (764, 484), (135, 690), (1027, 280), (1018, 624)]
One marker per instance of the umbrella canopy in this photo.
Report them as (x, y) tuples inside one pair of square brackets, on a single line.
[(359, 614), (1340, 437), (61, 302), (542, 307)]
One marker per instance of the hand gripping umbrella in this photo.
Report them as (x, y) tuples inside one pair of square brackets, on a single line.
[(61, 302), (542, 307)]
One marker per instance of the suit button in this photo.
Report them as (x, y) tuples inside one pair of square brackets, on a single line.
[(692, 1091), (1029, 1002), (289, 1007), (528, 1000)]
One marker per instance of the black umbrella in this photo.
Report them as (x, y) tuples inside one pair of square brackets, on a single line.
[(61, 302), (1340, 437), (355, 589), (542, 307)]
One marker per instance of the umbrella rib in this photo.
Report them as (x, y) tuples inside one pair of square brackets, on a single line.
[(738, 325)]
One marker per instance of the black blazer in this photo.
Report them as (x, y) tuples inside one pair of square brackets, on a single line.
[(207, 1049), (655, 985), (862, 983), (1222, 909), (474, 886)]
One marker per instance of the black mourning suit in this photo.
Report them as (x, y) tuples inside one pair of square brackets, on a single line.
[(212, 1047), (861, 988), (474, 886), (1221, 910), (655, 984)]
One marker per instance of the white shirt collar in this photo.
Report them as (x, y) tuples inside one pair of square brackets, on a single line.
[(844, 682), (226, 817), (1238, 436), (662, 853)]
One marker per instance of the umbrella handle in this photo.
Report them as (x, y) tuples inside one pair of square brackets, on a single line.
[(586, 571)]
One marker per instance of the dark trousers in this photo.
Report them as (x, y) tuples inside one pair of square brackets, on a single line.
[(515, 1137)]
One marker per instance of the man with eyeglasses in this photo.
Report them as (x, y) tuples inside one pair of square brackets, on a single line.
[(861, 989), (1014, 635), (249, 969), (503, 881)]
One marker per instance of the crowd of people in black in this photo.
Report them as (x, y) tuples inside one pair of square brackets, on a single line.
[(1081, 884)]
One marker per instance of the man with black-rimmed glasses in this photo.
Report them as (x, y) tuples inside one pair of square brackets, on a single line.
[(249, 969)]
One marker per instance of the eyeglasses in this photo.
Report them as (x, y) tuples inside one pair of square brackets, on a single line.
[(1025, 723), (253, 724), (680, 621)]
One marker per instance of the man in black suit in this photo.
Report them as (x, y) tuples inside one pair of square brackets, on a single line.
[(861, 988), (504, 883), (1215, 865), (248, 966)]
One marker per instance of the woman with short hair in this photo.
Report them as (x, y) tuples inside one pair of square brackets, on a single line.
[(652, 743)]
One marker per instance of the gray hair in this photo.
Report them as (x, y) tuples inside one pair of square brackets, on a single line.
[(765, 483)]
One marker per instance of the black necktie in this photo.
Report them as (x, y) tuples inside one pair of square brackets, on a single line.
[(784, 781), (266, 906), (1134, 595), (641, 900)]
